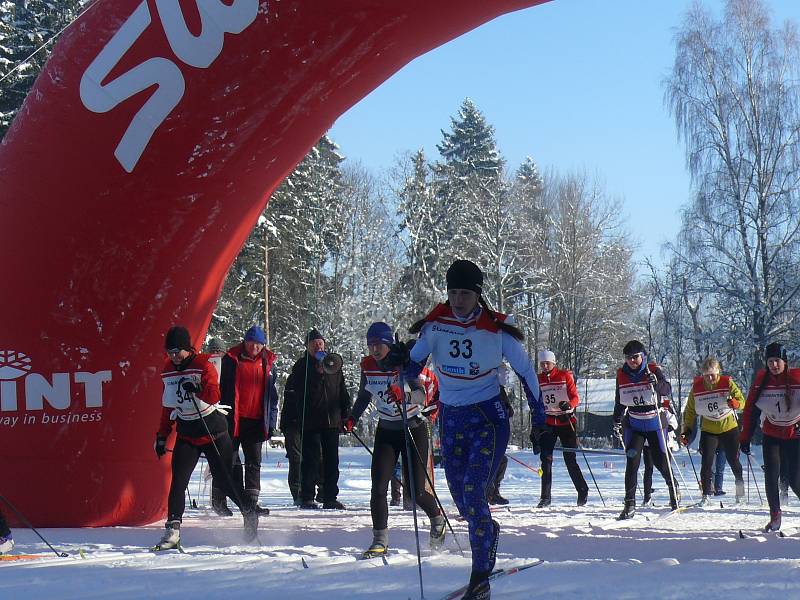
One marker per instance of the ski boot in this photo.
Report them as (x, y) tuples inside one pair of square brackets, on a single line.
[(628, 512), (253, 495), (333, 505), (498, 500), (171, 538), (6, 544), (250, 517), (219, 503), (308, 505), (380, 544), (543, 503), (703, 501), (583, 497), (437, 532), (774, 521), (478, 588), (739, 491)]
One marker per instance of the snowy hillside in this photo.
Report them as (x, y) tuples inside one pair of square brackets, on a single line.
[(587, 554)]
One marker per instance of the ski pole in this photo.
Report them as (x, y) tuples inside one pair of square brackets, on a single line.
[(435, 495), (580, 446), (192, 503), (238, 498), (663, 431), (31, 527), (199, 484), (691, 460), (524, 464), (668, 454), (683, 479), (588, 451), (411, 484), (755, 481)]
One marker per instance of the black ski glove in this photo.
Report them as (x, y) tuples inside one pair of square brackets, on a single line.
[(745, 447), (397, 357), (192, 387), (564, 405), (160, 446)]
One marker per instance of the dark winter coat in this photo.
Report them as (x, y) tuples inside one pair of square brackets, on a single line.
[(325, 397), (230, 386)]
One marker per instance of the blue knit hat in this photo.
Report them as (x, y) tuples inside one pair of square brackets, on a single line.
[(380, 333), (255, 334)]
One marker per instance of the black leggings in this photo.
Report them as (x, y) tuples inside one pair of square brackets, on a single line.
[(251, 472), (647, 478), (780, 456), (634, 453), (729, 441), (389, 444), (569, 439), (184, 460)]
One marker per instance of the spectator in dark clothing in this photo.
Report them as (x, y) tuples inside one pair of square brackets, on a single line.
[(290, 426), (6, 540), (247, 385), (322, 404)]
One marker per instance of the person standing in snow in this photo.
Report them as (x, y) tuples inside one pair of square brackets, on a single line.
[(6, 540), (247, 383), (190, 400), (381, 385), (322, 403), (467, 342), (560, 397), (715, 398), (775, 396), (640, 388)]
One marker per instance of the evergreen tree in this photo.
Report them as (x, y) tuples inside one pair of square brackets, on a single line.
[(468, 180), (419, 212), (25, 26)]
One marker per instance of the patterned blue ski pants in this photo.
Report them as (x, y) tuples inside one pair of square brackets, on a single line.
[(474, 440)]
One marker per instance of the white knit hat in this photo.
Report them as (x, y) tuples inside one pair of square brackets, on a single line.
[(547, 356)]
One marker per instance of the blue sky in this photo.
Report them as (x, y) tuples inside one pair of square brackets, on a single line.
[(575, 84)]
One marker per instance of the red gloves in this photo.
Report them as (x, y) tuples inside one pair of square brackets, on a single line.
[(349, 424), (395, 394)]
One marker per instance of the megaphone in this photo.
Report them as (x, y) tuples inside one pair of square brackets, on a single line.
[(331, 363)]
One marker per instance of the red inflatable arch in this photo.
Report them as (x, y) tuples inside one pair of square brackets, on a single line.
[(129, 180)]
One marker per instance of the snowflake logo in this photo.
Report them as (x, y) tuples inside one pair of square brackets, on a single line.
[(13, 364)]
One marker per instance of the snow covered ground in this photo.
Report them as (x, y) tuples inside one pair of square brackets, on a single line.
[(696, 553)]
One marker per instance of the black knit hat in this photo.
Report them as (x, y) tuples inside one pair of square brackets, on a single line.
[(314, 334), (465, 275), (634, 347), (775, 350), (178, 337), (216, 345)]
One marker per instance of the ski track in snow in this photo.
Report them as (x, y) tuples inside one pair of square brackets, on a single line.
[(588, 553)]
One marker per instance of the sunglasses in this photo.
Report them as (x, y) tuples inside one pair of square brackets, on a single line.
[(174, 351), (633, 356)]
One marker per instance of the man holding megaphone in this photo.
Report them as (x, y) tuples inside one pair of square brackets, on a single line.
[(317, 390)]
